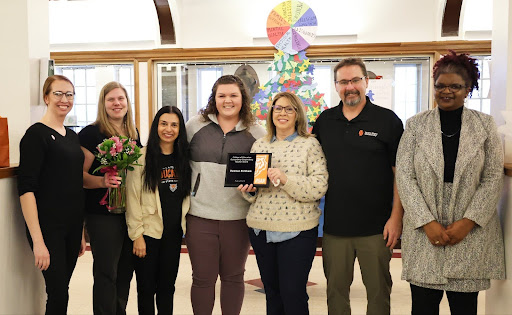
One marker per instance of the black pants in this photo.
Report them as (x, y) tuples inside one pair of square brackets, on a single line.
[(63, 244), (426, 301), (113, 263), (157, 271), (284, 269)]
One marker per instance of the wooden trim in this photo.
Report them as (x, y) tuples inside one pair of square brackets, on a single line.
[(136, 92), (150, 92), (163, 11), (451, 18), (6, 172), (267, 53), (508, 169)]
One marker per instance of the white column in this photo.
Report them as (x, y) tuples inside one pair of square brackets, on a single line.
[(498, 298), (24, 40)]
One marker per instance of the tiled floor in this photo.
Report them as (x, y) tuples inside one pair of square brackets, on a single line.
[(80, 300)]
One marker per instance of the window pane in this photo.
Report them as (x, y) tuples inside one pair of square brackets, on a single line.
[(406, 90), (473, 104), (68, 73), (485, 88), (80, 95), (91, 77), (125, 76), (322, 76), (81, 115), (486, 106), (92, 112), (92, 98), (79, 77)]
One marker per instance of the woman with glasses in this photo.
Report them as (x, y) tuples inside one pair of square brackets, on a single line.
[(449, 176), (111, 247), (283, 218), (50, 187), (217, 238)]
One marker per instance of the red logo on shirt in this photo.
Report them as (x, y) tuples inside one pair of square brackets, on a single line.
[(361, 133)]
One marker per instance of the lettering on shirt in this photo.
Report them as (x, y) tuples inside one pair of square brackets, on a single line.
[(367, 133), (168, 176)]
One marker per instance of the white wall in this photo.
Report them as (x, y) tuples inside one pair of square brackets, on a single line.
[(24, 38), (133, 24)]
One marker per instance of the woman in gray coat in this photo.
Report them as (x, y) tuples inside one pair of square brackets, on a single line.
[(449, 176)]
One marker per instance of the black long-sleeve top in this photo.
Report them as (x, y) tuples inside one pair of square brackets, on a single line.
[(451, 123), (51, 167)]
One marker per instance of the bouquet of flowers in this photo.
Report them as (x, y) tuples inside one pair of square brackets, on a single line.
[(117, 155)]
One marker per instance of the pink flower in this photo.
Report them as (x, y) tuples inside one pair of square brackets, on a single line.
[(101, 151), (113, 150)]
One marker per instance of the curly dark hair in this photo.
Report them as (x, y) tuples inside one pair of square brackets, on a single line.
[(460, 64), (246, 115)]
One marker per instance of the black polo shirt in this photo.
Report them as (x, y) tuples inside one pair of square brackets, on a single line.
[(360, 155)]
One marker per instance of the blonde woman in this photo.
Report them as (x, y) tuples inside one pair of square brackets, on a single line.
[(110, 244), (51, 194), (283, 219)]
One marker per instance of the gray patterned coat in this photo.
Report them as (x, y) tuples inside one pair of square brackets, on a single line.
[(476, 190)]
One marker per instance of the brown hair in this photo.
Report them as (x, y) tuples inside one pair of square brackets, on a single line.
[(301, 122), (245, 114), (47, 86), (350, 62), (105, 126)]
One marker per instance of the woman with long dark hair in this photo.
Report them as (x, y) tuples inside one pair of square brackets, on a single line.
[(157, 202)]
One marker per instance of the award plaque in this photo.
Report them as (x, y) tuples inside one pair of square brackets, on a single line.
[(247, 168)]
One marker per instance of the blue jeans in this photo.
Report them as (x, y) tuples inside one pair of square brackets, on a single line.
[(284, 269)]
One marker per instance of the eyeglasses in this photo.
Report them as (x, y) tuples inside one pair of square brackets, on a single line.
[(287, 109), (59, 95), (354, 81), (451, 87)]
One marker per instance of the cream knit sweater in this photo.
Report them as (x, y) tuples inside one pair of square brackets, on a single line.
[(291, 207)]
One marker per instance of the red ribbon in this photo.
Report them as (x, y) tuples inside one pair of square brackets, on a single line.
[(112, 171)]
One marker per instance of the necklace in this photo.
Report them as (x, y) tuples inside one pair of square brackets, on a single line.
[(449, 136)]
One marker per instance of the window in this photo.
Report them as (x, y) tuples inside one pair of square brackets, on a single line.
[(407, 89), (206, 77), (324, 79), (403, 84), (480, 99), (88, 81)]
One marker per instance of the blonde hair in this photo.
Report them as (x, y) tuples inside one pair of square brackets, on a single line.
[(301, 123), (105, 126)]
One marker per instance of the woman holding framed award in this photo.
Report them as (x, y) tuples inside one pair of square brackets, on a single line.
[(283, 219), (217, 238)]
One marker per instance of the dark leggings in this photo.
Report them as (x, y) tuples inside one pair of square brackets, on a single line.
[(157, 271), (426, 301), (113, 263), (63, 244)]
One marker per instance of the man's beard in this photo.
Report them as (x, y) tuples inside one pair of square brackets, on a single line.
[(352, 102)]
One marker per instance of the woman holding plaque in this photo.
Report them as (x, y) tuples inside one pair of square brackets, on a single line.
[(110, 244), (217, 237), (449, 173), (157, 202), (283, 218)]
